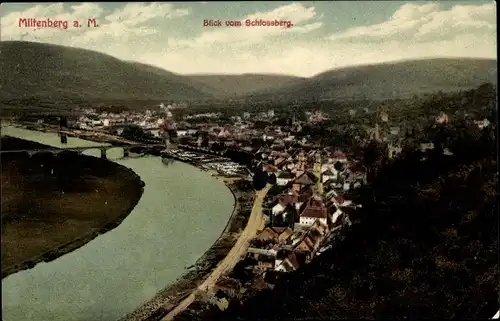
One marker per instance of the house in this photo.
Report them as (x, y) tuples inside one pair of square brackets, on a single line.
[(224, 133), (267, 234), (335, 216), (442, 118), (287, 262), (270, 168), (285, 235), (265, 264), (306, 246), (284, 200), (284, 178), (320, 227), (482, 123), (311, 211), (328, 175), (340, 201), (228, 286), (425, 146), (303, 180), (338, 157), (277, 162), (286, 165), (315, 236), (304, 195)]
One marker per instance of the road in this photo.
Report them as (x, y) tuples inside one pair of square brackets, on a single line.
[(255, 223)]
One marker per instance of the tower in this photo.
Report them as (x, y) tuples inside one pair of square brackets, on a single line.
[(317, 173)]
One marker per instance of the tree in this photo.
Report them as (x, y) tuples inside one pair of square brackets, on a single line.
[(259, 180), (372, 155), (339, 166), (204, 142), (217, 147), (272, 179), (133, 132)]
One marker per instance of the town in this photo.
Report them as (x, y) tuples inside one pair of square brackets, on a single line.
[(311, 194)]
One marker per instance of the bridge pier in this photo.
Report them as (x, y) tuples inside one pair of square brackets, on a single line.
[(103, 153), (64, 138), (126, 152)]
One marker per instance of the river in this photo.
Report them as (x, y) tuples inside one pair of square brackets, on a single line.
[(181, 213)]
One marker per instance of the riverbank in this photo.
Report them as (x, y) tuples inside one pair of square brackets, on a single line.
[(53, 205), (256, 222), (171, 296)]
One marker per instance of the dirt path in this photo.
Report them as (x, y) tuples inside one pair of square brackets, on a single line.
[(255, 223)]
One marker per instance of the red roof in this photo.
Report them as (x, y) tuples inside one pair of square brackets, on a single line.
[(340, 199), (292, 258), (338, 155), (314, 212), (270, 168), (306, 178)]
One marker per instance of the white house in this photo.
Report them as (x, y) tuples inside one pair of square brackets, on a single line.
[(308, 221), (336, 215), (182, 133), (267, 137), (482, 123), (105, 122), (313, 211), (284, 178), (288, 264), (224, 133), (278, 208), (155, 132), (338, 157), (328, 175)]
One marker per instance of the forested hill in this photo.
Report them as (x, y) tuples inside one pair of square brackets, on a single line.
[(59, 73), (32, 69), (230, 86), (38, 70), (387, 81)]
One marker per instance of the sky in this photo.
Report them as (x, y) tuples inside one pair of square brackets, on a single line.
[(325, 34)]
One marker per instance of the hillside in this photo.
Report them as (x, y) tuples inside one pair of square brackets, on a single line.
[(390, 80), (42, 70), (232, 85), (58, 73), (36, 70)]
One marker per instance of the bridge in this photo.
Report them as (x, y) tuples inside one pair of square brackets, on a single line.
[(103, 149), (108, 137)]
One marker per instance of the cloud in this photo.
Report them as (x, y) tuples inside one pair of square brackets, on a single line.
[(420, 22), (134, 14), (299, 15), (121, 24), (156, 34)]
